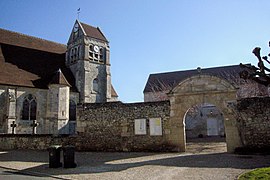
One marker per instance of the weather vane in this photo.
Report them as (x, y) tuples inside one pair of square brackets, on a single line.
[(78, 13)]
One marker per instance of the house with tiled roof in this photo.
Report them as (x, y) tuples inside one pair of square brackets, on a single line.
[(202, 119), (159, 85), (41, 81)]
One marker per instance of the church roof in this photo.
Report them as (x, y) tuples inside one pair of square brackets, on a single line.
[(59, 78), (93, 32), (32, 62), (168, 80), (27, 67), (22, 40)]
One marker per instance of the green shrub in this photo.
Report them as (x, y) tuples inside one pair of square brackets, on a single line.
[(261, 173)]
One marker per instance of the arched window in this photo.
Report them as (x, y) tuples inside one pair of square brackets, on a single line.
[(75, 53), (72, 110), (78, 52), (101, 54), (95, 85), (91, 53), (91, 48), (29, 110), (71, 55)]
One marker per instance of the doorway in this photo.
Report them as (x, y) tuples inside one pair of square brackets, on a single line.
[(212, 127), (204, 120)]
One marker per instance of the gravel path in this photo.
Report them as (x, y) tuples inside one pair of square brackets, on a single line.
[(203, 160)]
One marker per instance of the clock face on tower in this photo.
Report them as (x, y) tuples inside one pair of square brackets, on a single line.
[(96, 49), (76, 28)]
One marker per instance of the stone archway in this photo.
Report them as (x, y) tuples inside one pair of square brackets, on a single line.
[(197, 90)]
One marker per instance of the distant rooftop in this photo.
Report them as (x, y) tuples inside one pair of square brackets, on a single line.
[(168, 80)]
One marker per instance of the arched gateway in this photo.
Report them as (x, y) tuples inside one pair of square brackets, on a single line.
[(201, 89)]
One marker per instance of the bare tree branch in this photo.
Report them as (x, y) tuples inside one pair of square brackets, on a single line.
[(160, 89), (257, 74)]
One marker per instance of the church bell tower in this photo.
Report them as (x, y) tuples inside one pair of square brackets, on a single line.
[(88, 57)]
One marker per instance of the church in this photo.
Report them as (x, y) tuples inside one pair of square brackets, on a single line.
[(42, 82), (50, 89)]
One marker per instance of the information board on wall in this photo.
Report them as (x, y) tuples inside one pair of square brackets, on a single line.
[(140, 126), (155, 126)]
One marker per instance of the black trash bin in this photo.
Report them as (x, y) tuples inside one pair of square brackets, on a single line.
[(54, 156), (69, 157)]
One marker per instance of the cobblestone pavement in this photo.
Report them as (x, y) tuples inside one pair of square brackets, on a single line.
[(203, 160)]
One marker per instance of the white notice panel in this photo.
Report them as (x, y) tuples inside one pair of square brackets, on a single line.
[(155, 126), (140, 126)]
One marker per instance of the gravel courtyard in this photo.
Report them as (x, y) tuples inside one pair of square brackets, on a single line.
[(203, 160)]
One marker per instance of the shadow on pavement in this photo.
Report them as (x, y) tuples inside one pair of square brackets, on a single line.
[(199, 155), (114, 162)]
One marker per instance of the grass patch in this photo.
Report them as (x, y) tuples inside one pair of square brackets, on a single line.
[(261, 173)]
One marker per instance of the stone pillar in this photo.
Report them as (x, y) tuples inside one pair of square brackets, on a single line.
[(177, 134), (107, 56), (63, 110), (59, 109), (108, 75), (11, 110), (233, 138), (232, 135), (108, 85)]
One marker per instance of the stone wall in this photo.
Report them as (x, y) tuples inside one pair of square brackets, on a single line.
[(253, 121), (106, 127), (33, 142), (111, 126)]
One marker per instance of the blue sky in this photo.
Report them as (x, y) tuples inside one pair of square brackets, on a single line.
[(151, 36)]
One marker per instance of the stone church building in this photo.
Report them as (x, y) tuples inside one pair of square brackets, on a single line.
[(50, 88), (41, 82)]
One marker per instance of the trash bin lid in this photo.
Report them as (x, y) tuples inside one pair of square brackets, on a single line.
[(55, 146)]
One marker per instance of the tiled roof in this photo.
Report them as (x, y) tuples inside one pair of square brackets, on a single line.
[(32, 62), (59, 78), (22, 40), (29, 61), (93, 32), (22, 66), (166, 81)]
